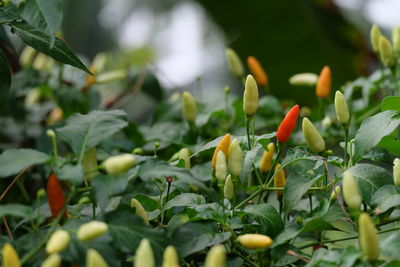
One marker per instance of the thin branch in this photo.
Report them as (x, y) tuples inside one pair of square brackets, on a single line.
[(10, 235), (13, 182)]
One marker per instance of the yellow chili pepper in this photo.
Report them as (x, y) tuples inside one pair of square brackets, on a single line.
[(234, 63), (220, 167), (58, 241), (53, 260), (170, 258), (314, 140), (235, 158), (94, 259), (184, 154), (396, 171), (279, 179), (386, 52), (255, 241), (139, 209), (375, 34), (351, 194), (144, 255), (369, 241), (189, 107), (9, 256), (229, 189), (250, 96), (341, 108), (117, 165), (266, 160), (91, 230), (223, 145), (216, 257)]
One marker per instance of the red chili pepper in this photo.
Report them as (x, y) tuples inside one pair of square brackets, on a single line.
[(55, 196), (287, 125)]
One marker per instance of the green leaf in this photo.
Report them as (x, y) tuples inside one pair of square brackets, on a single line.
[(13, 161), (391, 103), (369, 179), (185, 200), (16, 210), (8, 14), (316, 224), (44, 15), (195, 236), (5, 79), (85, 131), (72, 173), (41, 42), (372, 130), (391, 144), (268, 217), (386, 197), (290, 231), (390, 247), (248, 163)]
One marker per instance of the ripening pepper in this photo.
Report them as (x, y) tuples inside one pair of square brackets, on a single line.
[(279, 179), (220, 167), (375, 34), (304, 79), (117, 165), (396, 39), (235, 158), (90, 164), (53, 260), (144, 255), (257, 70), (189, 107), (9, 256), (94, 259), (386, 52), (342, 110), (323, 88), (255, 241), (396, 171), (91, 230), (266, 160), (223, 145), (55, 196), (111, 76), (335, 192), (250, 96), (170, 257), (314, 140), (234, 63), (287, 125), (58, 241), (229, 189), (216, 257), (56, 115), (184, 154), (369, 241), (139, 209), (351, 194)]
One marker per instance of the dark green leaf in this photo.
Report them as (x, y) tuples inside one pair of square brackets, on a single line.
[(15, 210), (185, 200), (268, 217), (13, 161), (391, 103), (316, 224), (248, 163), (386, 197), (390, 247), (72, 173), (5, 79), (290, 231), (8, 14)]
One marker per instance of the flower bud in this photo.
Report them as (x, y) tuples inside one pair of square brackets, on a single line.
[(111, 76), (216, 257), (314, 140), (375, 35), (227, 90), (184, 154), (90, 164), (41, 193), (170, 258), (94, 259), (139, 209), (250, 96), (279, 179), (27, 56), (223, 145), (91, 230), (336, 191), (257, 71), (235, 158), (396, 171), (138, 151), (50, 133), (234, 63), (396, 39), (58, 241), (53, 260), (342, 110), (189, 108), (351, 194), (144, 255), (117, 165), (229, 189), (386, 52), (255, 241), (220, 167), (9, 256), (324, 83), (266, 160), (304, 79), (369, 241)]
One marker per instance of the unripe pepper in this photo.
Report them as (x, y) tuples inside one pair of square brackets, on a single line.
[(386, 52), (304, 79), (9, 256), (189, 107), (396, 39), (314, 140), (144, 255), (57, 242), (235, 158), (324, 83), (287, 125), (257, 70), (55, 196), (170, 258), (216, 257), (279, 179), (266, 160), (229, 189), (375, 35), (111, 76), (90, 164), (94, 259), (255, 241), (139, 209), (234, 63), (27, 56), (250, 96), (396, 171), (342, 110), (184, 155), (220, 167), (369, 241), (351, 194), (336, 191), (117, 165), (223, 145), (91, 230), (53, 260)]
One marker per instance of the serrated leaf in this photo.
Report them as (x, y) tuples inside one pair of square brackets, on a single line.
[(16, 210), (268, 217), (85, 131), (386, 197), (186, 200), (13, 161), (5, 79)]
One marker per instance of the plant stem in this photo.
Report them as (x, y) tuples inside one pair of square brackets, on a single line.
[(248, 121), (311, 206), (346, 140)]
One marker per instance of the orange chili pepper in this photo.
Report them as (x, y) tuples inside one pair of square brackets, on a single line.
[(222, 145), (55, 196), (324, 83), (257, 70), (287, 125)]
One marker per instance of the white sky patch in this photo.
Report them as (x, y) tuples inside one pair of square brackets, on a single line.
[(385, 13)]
